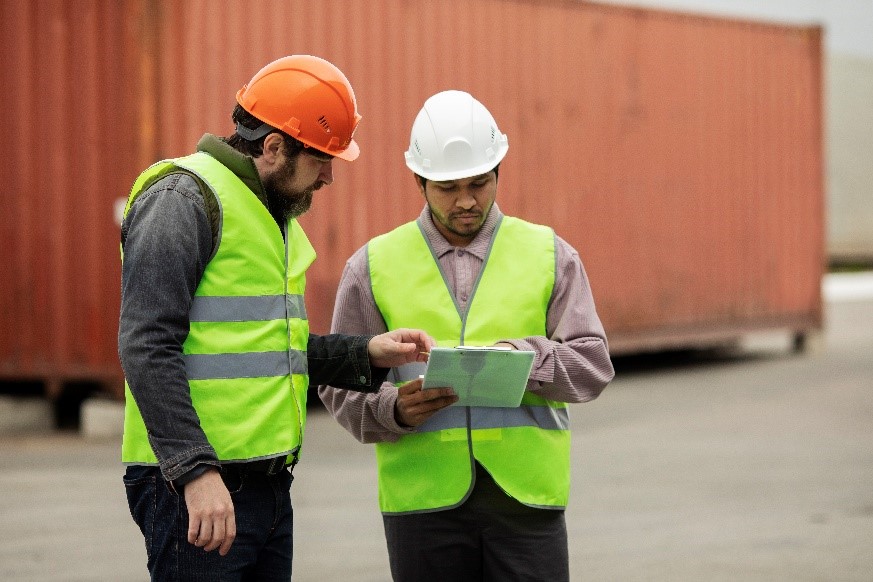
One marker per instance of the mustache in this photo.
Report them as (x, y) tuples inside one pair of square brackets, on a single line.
[(465, 214)]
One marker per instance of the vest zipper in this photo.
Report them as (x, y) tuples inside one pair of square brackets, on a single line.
[(296, 452)]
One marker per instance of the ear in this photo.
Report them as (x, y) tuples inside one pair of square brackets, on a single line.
[(418, 183), (273, 145)]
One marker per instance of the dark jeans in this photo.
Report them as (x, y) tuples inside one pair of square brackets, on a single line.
[(491, 537), (263, 546)]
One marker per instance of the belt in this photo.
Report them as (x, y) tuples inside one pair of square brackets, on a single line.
[(272, 466)]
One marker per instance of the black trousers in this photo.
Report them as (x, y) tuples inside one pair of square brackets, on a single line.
[(489, 538)]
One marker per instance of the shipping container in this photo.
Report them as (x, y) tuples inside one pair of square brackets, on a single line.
[(70, 72), (680, 155)]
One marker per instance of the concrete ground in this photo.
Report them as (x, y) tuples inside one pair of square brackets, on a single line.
[(753, 467)]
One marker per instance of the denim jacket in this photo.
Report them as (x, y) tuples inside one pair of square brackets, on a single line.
[(168, 237)]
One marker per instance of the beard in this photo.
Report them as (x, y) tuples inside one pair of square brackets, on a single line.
[(285, 203), (451, 223), (466, 231)]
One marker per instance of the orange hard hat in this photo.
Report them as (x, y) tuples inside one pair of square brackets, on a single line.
[(309, 99)]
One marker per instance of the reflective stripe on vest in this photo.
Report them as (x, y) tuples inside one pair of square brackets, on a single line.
[(544, 417), (245, 355), (251, 365), (525, 449), (263, 307)]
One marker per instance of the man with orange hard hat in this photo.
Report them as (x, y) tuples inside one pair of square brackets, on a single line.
[(213, 336)]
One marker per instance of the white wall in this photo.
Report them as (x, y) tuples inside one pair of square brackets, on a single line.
[(850, 156)]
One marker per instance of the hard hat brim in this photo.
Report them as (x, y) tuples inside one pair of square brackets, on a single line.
[(350, 154), (412, 164)]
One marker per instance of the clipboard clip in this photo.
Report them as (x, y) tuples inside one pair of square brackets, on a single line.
[(485, 348)]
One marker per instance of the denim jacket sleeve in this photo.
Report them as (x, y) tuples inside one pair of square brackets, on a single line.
[(167, 241), (342, 361)]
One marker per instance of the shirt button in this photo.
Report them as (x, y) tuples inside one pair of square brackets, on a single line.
[(460, 252), (363, 379)]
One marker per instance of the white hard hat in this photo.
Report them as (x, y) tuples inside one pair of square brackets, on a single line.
[(454, 137)]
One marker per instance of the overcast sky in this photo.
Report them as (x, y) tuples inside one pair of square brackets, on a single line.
[(848, 23)]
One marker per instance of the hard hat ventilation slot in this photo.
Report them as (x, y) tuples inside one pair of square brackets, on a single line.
[(417, 148), (493, 135), (322, 121)]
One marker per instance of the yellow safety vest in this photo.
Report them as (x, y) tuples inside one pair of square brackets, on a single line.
[(245, 355), (525, 449)]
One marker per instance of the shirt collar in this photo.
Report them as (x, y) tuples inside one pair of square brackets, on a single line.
[(238, 163), (478, 247)]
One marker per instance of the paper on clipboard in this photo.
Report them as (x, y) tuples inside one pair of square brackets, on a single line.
[(480, 376)]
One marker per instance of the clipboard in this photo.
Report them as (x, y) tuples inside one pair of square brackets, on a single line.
[(480, 376)]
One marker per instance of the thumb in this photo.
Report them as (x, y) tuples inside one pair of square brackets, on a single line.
[(398, 346), (410, 387), (406, 348)]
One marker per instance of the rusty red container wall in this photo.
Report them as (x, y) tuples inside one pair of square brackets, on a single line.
[(67, 71), (681, 155)]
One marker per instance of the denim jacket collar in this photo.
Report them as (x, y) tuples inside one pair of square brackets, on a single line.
[(240, 164)]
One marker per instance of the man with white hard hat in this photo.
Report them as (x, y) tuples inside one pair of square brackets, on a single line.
[(469, 492)]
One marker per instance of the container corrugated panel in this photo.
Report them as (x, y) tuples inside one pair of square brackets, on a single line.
[(681, 155), (68, 75)]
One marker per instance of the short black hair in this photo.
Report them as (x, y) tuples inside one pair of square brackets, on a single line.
[(255, 148)]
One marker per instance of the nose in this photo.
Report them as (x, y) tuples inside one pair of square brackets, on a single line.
[(465, 199), (326, 173)]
